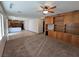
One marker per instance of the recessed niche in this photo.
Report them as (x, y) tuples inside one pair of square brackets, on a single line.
[(50, 26)]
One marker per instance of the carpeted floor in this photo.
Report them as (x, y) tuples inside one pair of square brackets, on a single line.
[(38, 46)]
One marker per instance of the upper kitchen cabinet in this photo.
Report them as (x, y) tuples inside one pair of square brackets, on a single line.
[(59, 20), (49, 20), (75, 17), (71, 17), (59, 23), (68, 18)]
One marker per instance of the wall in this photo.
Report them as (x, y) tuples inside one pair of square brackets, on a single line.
[(26, 23), (30, 24), (0, 27), (34, 25), (3, 40), (40, 25)]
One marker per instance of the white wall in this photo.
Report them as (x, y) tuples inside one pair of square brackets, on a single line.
[(34, 25), (26, 23), (0, 27), (40, 25), (4, 38)]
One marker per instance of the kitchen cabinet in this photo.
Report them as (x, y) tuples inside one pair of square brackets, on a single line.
[(59, 35), (67, 37), (49, 20), (75, 40), (66, 27)]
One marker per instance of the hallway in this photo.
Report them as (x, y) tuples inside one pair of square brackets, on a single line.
[(38, 46)]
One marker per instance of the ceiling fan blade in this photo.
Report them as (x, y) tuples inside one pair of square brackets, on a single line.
[(41, 6), (52, 7), (51, 11)]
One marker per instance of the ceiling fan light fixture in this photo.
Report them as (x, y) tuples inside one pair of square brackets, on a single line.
[(45, 12)]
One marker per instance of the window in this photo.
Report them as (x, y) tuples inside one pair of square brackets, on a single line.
[(1, 26)]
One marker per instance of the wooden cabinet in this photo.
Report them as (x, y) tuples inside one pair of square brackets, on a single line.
[(59, 23), (71, 17), (49, 20), (76, 17), (59, 35), (67, 37), (66, 27), (50, 33), (68, 18), (15, 23), (54, 34), (60, 28), (59, 20), (72, 28), (75, 40)]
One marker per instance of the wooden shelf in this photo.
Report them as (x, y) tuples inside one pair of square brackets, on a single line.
[(66, 27)]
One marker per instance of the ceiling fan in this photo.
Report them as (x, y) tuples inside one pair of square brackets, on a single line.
[(47, 8)]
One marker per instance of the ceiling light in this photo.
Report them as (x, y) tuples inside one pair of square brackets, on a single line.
[(45, 12)]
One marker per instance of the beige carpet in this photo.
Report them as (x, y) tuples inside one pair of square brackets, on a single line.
[(38, 46)]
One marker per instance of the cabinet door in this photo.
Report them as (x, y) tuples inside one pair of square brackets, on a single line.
[(59, 23), (72, 28), (49, 20), (75, 40), (67, 37), (59, 35), (68, 19), (76, 17), (54, 34), (60, 28), (50, 33), (52, 20), (59, 20)]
